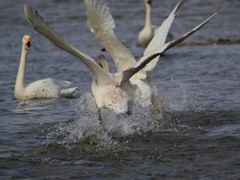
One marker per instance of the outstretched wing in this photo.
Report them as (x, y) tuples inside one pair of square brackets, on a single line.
[(99, 16), (39, 24), (101, 24), (149, 57), (160, 36)]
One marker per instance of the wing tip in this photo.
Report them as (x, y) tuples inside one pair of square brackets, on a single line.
[(220, 6)]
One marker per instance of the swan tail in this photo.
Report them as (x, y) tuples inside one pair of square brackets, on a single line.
[(68, 93), (160, 36)]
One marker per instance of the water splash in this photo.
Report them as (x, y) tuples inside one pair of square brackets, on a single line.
[(181, 100), (104, 125)]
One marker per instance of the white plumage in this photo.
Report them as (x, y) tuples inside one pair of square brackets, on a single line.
[(110, 90), (45, 88)]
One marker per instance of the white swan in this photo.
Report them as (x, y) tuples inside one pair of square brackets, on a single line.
[(45, 88), (149, 30), (146, 34), (101, 24), (110, 90)]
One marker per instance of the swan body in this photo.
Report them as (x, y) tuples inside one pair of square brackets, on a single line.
[(110, 90), (110, 97), (45, 88)]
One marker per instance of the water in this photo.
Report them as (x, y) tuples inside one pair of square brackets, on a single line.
[(198, 136)]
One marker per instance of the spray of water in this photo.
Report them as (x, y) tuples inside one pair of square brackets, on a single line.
[(105, 125)]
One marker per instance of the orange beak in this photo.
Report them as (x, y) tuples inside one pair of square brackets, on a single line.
[(28, 44)]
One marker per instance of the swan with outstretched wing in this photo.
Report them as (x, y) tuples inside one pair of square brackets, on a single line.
[(109, 89), (101, 24)]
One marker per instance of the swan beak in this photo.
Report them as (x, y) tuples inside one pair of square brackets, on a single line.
[(149, 2), (28, 44)]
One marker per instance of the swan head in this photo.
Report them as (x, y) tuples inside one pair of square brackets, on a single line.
[(102, 61), (149, 2), (26, 42)]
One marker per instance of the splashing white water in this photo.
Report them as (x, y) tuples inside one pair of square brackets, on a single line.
[(104, 124)]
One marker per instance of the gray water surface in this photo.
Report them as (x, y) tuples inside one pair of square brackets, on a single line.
[(198, 136)]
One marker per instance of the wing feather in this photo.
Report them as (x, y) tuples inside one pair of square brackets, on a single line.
[(42, 27), (101, 24), (149, 57), (160, 36), (104, 19)]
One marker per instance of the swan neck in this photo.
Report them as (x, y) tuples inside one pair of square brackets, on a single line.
[(148, 15), (21, 70), (105, 66)]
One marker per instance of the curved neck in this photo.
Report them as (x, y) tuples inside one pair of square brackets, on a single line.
[(148, 15), (103, 63), (21, 70)]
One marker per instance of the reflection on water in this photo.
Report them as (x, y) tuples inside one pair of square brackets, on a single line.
[(36, 104), (197, 136)]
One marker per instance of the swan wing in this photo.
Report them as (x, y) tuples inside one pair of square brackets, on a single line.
[(99, 8), (160, 36), (149, 57), (39, 24), (101, 24)]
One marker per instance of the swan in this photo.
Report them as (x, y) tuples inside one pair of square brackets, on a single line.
[(149, 30), (110, 90), (146, 34), (101, 25), (45, 88)]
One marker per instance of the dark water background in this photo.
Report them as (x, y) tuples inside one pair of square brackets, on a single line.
[(198, 136)]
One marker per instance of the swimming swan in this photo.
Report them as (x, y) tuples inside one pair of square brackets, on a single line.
[(45, 88), (149, 30), (110, 90)]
